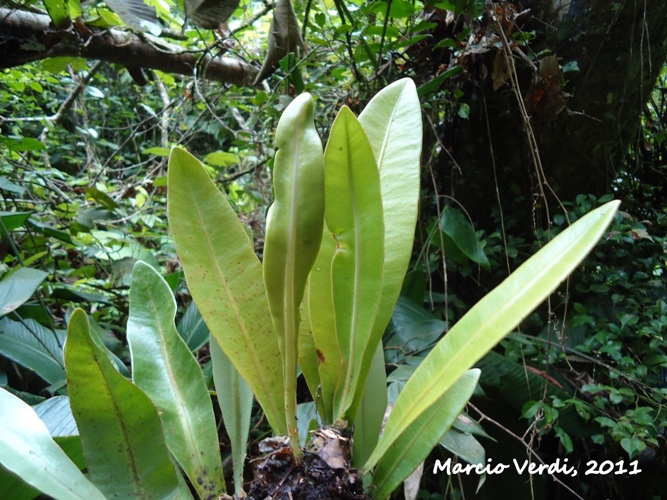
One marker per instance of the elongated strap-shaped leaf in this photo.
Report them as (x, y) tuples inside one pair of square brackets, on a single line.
[(371, 411), (165, 369), (323, 325), (27, 449), (392, 121), (491, 319), (293, 234), (354, 216), (307, 350), (121, 434), (417, 440), (225, 278), (235, 400)]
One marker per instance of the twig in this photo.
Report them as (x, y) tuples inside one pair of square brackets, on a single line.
[(164, 119), (238, 175), (528, 448), (306, 15)]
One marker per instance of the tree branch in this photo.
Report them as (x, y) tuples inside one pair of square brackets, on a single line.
[(27, 37)]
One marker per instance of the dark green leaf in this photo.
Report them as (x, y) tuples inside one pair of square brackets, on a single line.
[(30, 344), (18, 287), (435, 83), (7, 185), (460, 232), (469, 426), (101, 197), (464, 446), (193, 329), (49, 231), (12, 486), (75, 294), (88, 217), (13, 220), (371, 413)]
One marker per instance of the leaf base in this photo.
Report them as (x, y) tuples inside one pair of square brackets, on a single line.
[(324, 473)]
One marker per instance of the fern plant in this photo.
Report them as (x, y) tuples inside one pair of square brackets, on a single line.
[(338, 243)]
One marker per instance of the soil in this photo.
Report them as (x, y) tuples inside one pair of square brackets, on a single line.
[(324, 472)]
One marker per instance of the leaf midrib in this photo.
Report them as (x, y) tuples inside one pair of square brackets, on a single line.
[(258, 371)]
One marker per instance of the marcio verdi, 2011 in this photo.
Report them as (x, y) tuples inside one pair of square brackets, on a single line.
[(557, 467)]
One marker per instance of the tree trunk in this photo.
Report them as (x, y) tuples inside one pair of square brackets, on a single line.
[(619, 48)]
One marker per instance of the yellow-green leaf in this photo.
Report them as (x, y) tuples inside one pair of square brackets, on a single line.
[(353, 214), (58, 11), (490, 320), (225, 279), (417, 440), (307, 350), (372, 408), (323, 326), (293, 233), (392, 121)]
